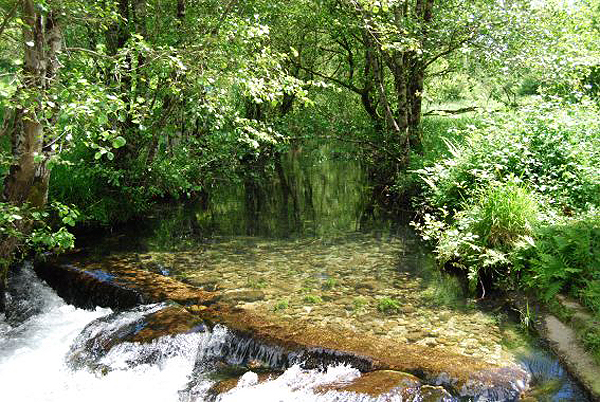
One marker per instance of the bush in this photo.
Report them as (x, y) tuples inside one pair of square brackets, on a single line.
[(564, 258), (529, 86), (494, 202), (556, 154), (483, 234)]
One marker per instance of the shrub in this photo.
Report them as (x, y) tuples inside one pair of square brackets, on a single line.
[(556, 154), (484, 233), (529, 86), (492, 205), (565, 257)]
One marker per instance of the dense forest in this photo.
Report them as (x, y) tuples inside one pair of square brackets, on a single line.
[(479, 117)]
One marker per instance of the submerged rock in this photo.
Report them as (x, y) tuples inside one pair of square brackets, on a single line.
[(243, 296), (275, 342)]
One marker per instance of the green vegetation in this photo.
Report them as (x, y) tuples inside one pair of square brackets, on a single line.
[(312, 299), (482, 117), (257, 283), (329, 284), (359, 303), (514, 203), (281, 305), (388, 306)]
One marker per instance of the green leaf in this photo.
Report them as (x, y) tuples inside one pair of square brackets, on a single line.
[(119, 142), (102, 119)]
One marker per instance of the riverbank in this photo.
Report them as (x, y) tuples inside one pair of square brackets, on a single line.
[(562, 328)]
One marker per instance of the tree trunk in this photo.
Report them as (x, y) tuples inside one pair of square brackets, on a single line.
[(29, 175)]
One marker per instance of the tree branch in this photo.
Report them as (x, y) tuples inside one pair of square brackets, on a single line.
[(346, 85)]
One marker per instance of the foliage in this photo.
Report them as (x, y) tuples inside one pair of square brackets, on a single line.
[(591, 339), (49, 227), (484, 232), (493, 200), (388, 306), (164, 100), (564, 258), (551, 149)]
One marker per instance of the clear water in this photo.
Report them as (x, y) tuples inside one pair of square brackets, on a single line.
[(55, 354)]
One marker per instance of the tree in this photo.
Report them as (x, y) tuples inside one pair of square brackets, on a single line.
[(27, 123), (383, 51)]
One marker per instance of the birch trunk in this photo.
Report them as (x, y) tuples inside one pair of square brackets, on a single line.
[(29, 175)]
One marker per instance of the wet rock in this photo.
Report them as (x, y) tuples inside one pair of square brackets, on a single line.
[(156, 268), (366, 286), (116, 285), (415, 336), (273, 339), (142, 325), (376, 383), (430, 342), (430, 393), (408, 309), (303, 341), (171, 320), (499, 384), (389, 385), (226, 385), (209, 283)]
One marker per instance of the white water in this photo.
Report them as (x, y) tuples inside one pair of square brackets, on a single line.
[(298, 385), (33, 367)]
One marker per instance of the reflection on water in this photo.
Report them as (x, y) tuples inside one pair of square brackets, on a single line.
[(307, 193)]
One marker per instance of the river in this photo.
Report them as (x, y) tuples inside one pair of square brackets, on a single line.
[(302, 244)]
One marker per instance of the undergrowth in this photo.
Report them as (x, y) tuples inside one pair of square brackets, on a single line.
[(512, 200)]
